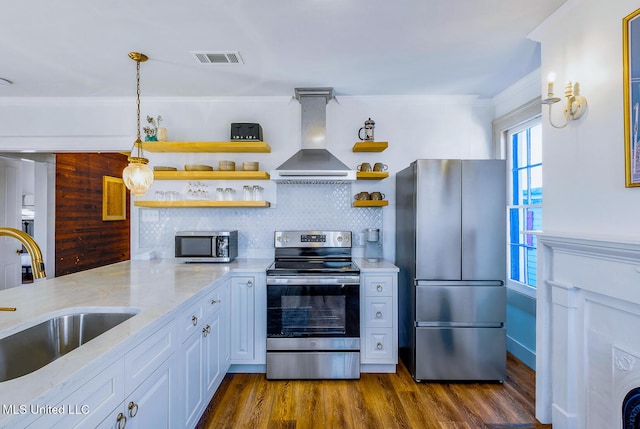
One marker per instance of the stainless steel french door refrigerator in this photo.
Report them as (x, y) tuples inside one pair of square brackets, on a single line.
[(451, 250)]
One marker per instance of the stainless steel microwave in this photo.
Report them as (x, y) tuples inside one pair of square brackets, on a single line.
[(206, 246)]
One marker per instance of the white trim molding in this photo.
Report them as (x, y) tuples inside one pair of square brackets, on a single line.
[(588, 310)]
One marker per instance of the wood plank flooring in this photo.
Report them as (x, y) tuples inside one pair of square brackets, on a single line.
[(382, 401)]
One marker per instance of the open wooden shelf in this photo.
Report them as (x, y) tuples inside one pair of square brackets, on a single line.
[(211, 175), (202, 203), (370, 146), (372, 175), (208, 147), (370, 203)]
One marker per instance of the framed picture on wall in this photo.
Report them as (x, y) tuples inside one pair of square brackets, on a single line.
[(631, 70), (114, 198)]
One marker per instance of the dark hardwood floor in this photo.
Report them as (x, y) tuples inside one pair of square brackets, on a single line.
[(382, 401)]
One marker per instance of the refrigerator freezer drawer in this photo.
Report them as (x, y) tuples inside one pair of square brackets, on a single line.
[(460, 354), (460, 303)]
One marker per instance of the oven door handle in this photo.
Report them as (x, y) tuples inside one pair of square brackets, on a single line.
[(312, 280)]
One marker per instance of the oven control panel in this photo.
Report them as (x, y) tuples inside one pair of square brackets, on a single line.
[(312, 239)]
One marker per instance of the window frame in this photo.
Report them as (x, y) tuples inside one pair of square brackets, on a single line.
[(502, 126), (514, 284)]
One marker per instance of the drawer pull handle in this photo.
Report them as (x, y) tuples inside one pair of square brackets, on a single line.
[(379, 346), (194, 320), (121, 421), (133, 409), (206, 330), (379, 288), (249, 283), (215, 301), (378, 314)]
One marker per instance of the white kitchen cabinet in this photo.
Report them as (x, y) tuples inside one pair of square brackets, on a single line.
[(203, 353), (248, 332), (88, 405), (379, 322), (145, 376), (150, 405)]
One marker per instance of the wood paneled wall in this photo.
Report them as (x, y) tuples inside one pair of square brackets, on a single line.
[(83, 239)]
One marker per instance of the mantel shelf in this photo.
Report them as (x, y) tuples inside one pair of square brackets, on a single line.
[(370, 146), (372, 175), (202, 203), (208, 147), (211, 175), (370, 203)]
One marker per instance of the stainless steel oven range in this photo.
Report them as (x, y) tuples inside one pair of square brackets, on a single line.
[(313, 307)]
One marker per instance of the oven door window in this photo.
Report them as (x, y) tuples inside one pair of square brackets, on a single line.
[(318, 311)]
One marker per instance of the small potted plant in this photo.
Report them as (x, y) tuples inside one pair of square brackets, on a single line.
[(154, 132)]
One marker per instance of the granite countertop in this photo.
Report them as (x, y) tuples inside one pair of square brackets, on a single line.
[(154, 288)]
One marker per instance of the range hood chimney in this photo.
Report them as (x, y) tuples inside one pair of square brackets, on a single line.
[(313, 163)]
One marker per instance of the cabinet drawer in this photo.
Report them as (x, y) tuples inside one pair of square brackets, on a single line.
[(190, 320), (143, 360), (378, 312), (378, 285), (212, 302), (378, 345)]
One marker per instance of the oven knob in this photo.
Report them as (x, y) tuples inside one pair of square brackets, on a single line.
[(339, 238), (312, 343)]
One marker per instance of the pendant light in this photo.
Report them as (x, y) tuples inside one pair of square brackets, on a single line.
[(137, 176)]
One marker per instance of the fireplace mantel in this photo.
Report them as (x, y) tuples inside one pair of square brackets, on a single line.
[(588, 315)]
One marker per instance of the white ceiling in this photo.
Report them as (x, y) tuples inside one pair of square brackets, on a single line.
[(359, 47)]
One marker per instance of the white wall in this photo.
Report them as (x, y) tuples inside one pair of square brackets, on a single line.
[(414, 126), (584, 184)]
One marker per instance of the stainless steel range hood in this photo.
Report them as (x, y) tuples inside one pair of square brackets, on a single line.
[(313, 163)]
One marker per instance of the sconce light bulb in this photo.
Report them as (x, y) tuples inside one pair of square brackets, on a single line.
[(551, 78)]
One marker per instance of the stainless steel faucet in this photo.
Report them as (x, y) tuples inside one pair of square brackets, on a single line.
[(37, 264)]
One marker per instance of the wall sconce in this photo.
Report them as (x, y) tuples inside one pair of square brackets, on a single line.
[(575, 106)]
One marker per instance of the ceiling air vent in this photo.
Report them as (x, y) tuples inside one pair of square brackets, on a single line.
[(229, 57)]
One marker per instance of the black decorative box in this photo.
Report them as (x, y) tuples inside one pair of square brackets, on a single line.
[(246, 131)]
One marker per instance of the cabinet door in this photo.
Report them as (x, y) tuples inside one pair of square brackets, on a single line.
[(192, 383), (242, 319), (213, 353), (150, 406)]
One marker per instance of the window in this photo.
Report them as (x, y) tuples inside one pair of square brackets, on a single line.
[(524, 152)]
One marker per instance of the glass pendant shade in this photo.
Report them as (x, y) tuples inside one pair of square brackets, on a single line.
[(137, 176)]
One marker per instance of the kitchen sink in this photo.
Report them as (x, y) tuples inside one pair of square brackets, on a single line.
[(34, 347)]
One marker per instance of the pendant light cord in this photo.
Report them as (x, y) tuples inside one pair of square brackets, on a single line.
[(138, 141)]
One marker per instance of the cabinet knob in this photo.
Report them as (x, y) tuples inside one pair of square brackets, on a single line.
[(379, 288), (121, 421), (206, 330), (249, 283), (133, 409), (379, 346), (194, 320), (378, 314)]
